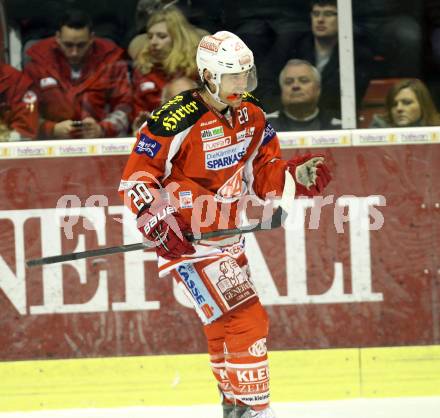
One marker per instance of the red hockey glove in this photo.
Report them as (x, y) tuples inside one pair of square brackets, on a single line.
[(310, 173), (164, 226)]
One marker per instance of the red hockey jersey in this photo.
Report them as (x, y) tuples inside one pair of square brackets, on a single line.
[(18, 102), (206, 163)]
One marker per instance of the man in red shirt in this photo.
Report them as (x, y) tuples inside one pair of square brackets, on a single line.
[(18, 105), (82, 82)]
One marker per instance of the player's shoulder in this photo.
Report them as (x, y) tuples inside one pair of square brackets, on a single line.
[(177, 114), (249, 98)]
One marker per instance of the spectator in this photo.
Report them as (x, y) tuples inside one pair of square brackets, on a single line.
[(144, 10), (433, 14), (408, 103), (269, 28), (82, 82), (169, 52), (176, 86), (432, 57), (300, 84), (200, 13), (171, 89), (38, 19), (18, 105), (136, 45), (320, 47), (392, 30), (149, 8)]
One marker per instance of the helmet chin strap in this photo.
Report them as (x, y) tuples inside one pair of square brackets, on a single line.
[(215, 95)]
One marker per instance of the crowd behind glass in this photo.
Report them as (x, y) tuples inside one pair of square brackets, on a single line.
[(99, 70)]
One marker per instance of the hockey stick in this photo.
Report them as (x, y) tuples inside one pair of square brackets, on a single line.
[(275, 222)]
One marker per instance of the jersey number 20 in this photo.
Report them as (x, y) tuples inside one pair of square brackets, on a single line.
[(140, 195), (243, 116)]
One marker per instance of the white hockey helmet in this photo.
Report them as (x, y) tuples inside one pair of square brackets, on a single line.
[(225, 53)]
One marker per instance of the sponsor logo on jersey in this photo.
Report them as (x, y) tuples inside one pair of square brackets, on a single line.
[(250, 399), (212, 133), (47, 82), (260, 374), (231, 282), (216, 144), (187, 272), (235, 250), (269, 133), (246, 133), (148, 146), (186, 199), (171, 121), (158, 112), (204, 301), (209, 122), (226, 157), (232, 187), (258, 348)]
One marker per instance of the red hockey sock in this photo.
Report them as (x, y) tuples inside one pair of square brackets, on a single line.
[(242, 372)]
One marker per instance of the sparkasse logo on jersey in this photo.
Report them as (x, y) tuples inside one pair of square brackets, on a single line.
[(212, 133), (206, 306)]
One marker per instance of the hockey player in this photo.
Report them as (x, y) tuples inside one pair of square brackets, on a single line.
[(193, 162)]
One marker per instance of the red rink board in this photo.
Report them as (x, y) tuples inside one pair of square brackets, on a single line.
[(374, 288)]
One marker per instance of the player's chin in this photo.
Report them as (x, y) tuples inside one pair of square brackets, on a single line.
[(234, 100)]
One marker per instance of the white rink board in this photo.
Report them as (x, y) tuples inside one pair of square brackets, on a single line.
[(288, 140), (428, 407)]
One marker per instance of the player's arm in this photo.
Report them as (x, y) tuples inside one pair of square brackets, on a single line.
[(310, 172), (268, 169), (142, 191)]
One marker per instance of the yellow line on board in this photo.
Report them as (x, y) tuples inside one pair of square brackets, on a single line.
[(186, 379)]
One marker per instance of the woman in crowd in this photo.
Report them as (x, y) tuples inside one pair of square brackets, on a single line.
[(408, 103), (169, 52)]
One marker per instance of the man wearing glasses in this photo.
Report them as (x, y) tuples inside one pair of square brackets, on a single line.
[(82, 82), (320, 48)]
